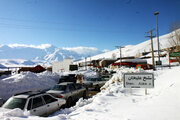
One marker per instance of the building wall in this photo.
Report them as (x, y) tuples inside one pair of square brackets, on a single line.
[(62, 66)]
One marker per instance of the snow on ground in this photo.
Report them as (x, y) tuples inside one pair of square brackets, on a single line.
[(116, 103), (26, 81)]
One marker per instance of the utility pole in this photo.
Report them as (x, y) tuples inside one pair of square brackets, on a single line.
[(85, 64), (156, 14), (151, 36), (120, 55)]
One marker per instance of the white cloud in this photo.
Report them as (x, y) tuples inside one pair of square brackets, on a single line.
[(83, 50), (42, 46)]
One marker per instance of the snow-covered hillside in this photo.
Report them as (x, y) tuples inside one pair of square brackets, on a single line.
[(133, 50)]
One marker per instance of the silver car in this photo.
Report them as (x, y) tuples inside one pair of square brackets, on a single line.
[(36, 103), (69, 91)]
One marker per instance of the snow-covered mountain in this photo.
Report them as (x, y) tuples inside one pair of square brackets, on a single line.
[(44, 52), (47, 53)]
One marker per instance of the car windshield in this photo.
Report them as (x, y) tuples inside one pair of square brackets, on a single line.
[(105, 77), (92, 79), (59, 87), (15, 103), (64, 77)]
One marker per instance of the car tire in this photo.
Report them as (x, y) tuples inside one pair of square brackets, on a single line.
[(69, 102), (84, 95), (97, 88)]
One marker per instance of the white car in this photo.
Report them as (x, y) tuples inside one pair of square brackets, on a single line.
[(36, 103)]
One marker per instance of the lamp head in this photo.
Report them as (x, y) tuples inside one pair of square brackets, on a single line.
[(156, 13)]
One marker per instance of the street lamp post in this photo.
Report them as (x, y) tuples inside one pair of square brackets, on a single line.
[(156, 14), (120, 56)]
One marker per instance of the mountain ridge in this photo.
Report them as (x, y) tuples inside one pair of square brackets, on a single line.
[(44, 52)]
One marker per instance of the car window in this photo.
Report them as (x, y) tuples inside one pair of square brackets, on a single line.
[(15, 103), (64, 77), (29, 105), (59, 87), (78, 86), (72, 87), (49, 99), (37, 102), (91, 79)]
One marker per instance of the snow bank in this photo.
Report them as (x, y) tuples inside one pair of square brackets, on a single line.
[(117, 103), (26, 81), (11, 113)]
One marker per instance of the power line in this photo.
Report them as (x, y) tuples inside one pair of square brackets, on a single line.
[(46, 22), (20, 26)]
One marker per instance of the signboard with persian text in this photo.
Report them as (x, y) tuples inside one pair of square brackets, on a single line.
[(138, 80)]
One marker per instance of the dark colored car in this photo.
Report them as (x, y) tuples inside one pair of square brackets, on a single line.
[(68, 78), (94, 83), (69, 91)]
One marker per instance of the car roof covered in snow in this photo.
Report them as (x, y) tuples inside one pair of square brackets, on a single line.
[(65, 83), (28, 94)]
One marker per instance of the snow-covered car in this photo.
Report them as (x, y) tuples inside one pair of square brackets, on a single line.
[(69, 91), (1, 102), (36, 103)]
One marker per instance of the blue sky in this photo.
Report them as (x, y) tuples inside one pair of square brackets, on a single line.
[(103, 24)]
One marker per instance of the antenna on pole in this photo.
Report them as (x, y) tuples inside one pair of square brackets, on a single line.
[(120, 56)]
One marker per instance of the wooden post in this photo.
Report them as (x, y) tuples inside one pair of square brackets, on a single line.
[(169, 58), (145, 91), (131, 91), (151, 36)]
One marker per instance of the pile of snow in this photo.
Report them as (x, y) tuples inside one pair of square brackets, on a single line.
[(26, 81), (11, 113), (117, 103)]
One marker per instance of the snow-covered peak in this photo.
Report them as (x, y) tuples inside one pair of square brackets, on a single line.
[(84, 50)]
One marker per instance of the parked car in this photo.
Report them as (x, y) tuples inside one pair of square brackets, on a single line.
[(68, 78), (69, 91), (106, 77), (36, 103), (1, 102), (94, 83)]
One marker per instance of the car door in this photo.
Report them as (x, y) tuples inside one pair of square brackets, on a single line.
[(80, 90), (51, 104), (73, 91), (38, 106)]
